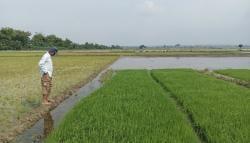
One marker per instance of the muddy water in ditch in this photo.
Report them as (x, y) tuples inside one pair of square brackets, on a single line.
[(44, 126)]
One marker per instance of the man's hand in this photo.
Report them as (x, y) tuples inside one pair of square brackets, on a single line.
[(46, 74)]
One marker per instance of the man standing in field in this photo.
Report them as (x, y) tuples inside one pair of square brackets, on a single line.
[(46, 70)]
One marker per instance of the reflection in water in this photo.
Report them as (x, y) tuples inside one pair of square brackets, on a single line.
[(36, 135), (48, 124)]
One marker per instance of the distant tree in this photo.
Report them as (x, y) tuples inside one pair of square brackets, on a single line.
[(15, 45), (22, 37), (142, 47), (39, 40), (67, 43), (115, 47), (87, 45), (12, 39), (74, 46), (240, 46), (53, 40), (6, 33), (178, 45)]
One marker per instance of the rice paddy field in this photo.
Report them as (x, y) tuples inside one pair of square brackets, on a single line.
[(161, 105), (130, 107), (242, 74), (20, 80), (220, 109), (176, 105)]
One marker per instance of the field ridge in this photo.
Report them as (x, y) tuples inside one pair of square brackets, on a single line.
[(199, 131), (228, 78)]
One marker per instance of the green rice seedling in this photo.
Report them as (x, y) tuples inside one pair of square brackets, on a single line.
[(220, 109), (130, 107)]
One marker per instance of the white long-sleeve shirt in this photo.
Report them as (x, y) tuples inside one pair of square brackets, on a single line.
[(46, 65)]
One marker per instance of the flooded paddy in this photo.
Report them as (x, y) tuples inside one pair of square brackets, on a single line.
[(182, 62)]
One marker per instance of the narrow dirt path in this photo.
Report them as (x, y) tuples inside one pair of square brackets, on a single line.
[(227, 78)]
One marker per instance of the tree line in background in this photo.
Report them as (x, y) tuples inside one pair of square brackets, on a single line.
[(12, 39)]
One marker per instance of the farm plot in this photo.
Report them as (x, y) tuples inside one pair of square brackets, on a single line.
[(20, 80), (242, 74), (130, 107), (220, 110)]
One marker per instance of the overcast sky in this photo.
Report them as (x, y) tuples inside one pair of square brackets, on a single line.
[(133, 22)]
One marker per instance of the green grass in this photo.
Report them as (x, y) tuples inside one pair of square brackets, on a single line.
[(21, 86), (220, 108), (130, 107), (243, 74)]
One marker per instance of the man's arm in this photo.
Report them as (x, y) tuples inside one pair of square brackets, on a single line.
[(42, 63)]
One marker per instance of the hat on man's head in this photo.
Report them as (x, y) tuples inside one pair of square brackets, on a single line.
[(53, 49)]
